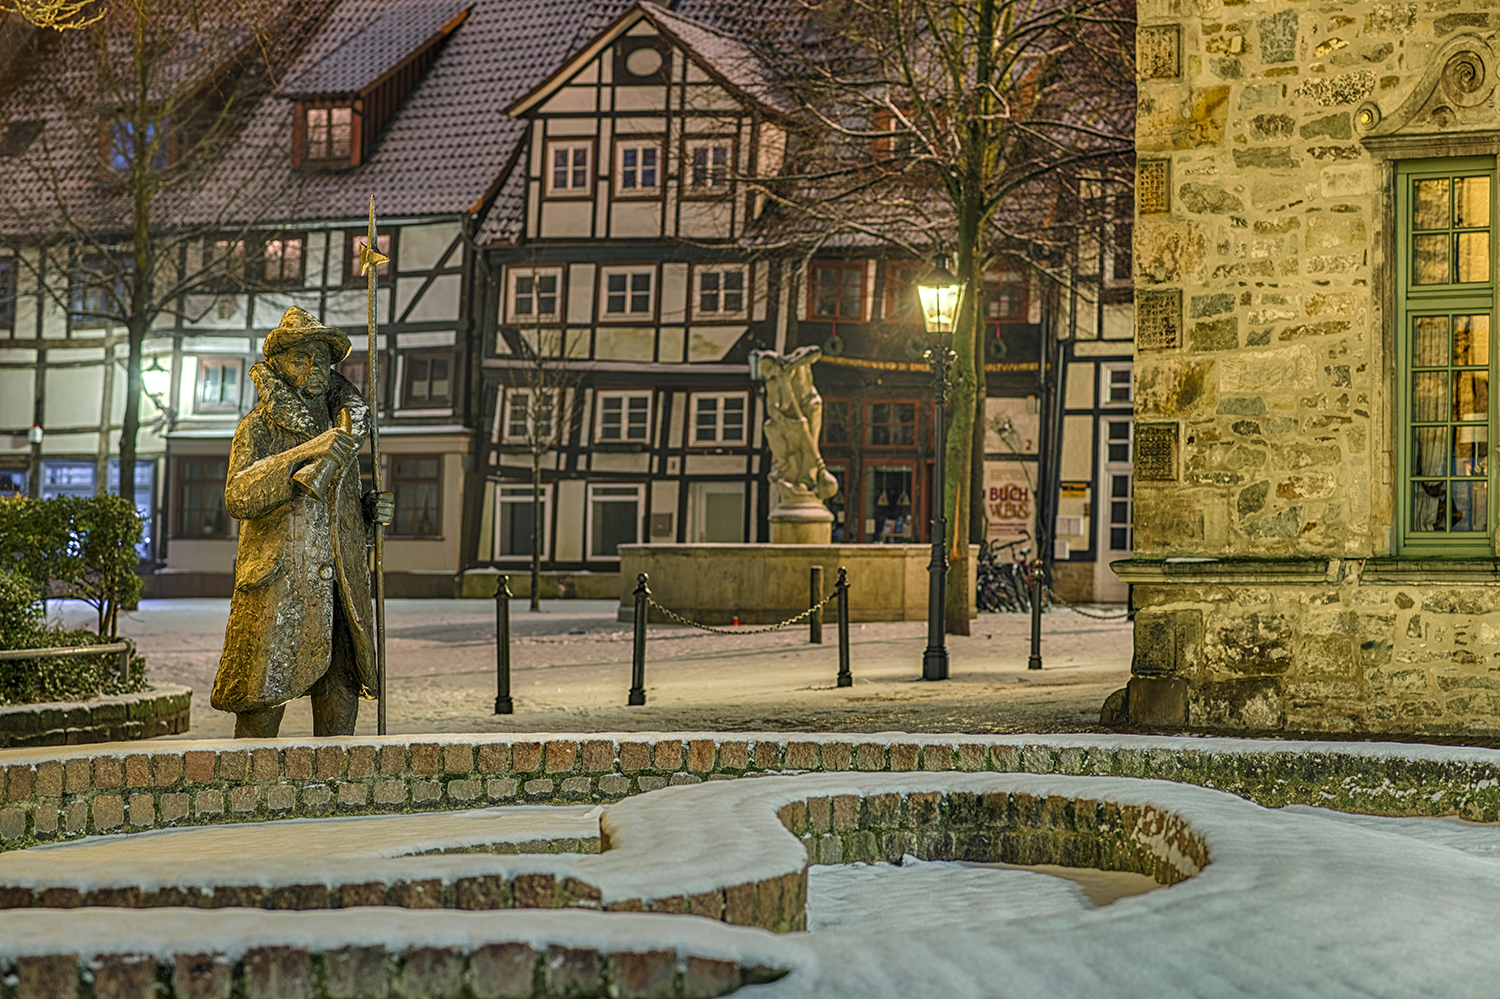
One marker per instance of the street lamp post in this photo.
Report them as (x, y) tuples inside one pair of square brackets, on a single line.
[(939, 293)]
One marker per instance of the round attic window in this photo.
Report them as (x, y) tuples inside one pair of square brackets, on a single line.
[(644, 61)]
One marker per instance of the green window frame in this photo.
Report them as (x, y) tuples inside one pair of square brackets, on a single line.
[(1446, 355)]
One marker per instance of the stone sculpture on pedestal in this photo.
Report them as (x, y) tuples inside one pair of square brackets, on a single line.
[(794, 420)]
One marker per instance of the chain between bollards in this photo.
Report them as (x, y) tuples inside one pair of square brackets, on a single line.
[(503, 703), (638, 654), (815, 600), (846, 679)]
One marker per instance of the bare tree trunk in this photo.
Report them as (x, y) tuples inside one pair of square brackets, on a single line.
[(536, 530)]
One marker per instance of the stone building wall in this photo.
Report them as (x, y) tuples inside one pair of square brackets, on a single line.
[(1267, 139)]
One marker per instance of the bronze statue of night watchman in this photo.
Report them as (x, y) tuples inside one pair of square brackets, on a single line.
[(300, 618)]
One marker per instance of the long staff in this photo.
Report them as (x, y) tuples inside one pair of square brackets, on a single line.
[(369, 263)]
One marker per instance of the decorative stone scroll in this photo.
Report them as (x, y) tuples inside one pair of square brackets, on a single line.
[(1157, 51), (1153, 187), (1455, 95), (1156, 452), (1158, 319)]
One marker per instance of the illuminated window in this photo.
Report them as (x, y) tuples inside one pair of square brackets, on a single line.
[(329, 136), (837, 290)]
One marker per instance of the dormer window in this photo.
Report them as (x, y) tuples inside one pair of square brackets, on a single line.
[(121, 151), (330, 136)]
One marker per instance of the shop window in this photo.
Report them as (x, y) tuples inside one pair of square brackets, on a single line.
[(891, 424), (888, 504), (200, 498), (68, 478), (837, 291), (385, 245), (614, 519), (428, 380), (623, 417), (567, 170), (514, 521), (719, 418), (534, 295), (218, 385), (415, 481)]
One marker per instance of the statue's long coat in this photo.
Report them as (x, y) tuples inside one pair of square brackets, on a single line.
[(293, 549)]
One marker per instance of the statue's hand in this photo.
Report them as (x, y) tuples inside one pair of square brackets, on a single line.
[(337, 443), (380, 507)]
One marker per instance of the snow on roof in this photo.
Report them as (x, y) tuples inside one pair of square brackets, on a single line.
[(364, 58)]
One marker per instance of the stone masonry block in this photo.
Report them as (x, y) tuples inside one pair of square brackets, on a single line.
[(355, 973), (392, 759), (458, 758), (869, 756), (49, 780), (44, 819), (234, 765), (574, 971), (174, 807), (142, 810), (315, 798), (242, 800), (199, 766), (281, 798), (109, 812), (167, 768), (265, 764), (137, 770), (706, 976), (500, 789), (426, 758), (819, 814), (634, 756), (278, 973), (561, 755), (425, 894), (202, 976), (299, 762), (330, 762), (54, 976), (109, 771), (709, 904), (837, 755), (425, 793), (686, 779), (361, 762), (700, 756), (922, 808), (577, 788), (75, 817), (734, 755), (646, 975), (18, 783), (353, 795), (494, 758), (535, 891), (598, 756), (845, 812), (972, 756), (12, 823), (614, 786), (432, 972), (904, 756), (77, 779), (464, 790), (936, 756), (650, 783), (526, 757), (502, 970), (390, 792), (799, 755), (667, 754), (124, 976), (538, 790), (768, 755)]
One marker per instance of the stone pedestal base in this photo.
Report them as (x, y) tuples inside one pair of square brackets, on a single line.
[(804, 522)]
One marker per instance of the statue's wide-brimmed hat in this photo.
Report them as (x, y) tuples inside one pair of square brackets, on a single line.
[(299, 326)]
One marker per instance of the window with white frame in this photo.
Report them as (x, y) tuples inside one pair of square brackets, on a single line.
[(719, 418), (627, 292), (533, 295), (567, 168), (708, 164), (623, 417), (614, 518), (1116, 385), (720, 292), (637, 167), (529, 417), (218, 385), (515, 521)]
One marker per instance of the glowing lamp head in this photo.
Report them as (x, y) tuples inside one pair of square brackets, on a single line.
[(938, 293)]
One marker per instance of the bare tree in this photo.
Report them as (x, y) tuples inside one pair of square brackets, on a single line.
[(118, 185), (958, 127)]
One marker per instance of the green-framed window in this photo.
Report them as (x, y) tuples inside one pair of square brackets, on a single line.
[(1446, 354)]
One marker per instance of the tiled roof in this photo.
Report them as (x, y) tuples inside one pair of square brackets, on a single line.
[(365, 57), (731, 59)]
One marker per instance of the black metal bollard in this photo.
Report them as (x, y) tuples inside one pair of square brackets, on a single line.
[(846, 679), (503, 703), (815, 601), (1035, 660), (638, 654)]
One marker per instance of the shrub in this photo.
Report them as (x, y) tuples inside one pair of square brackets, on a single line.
[(80, 548)]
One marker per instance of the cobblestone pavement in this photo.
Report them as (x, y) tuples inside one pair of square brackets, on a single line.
[(571, 672)]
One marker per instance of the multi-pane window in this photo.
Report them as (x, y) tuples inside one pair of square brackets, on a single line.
[(1124, 253), (200, 498), (836, 428), (719, 418), (721, 292), (515, 521), (1005, 294), (281, 260), (1116, 385), (329, 135), (891, 424), (535, 295), (628, 292), (218, 385), (354, 241), (1446, 297), (224, 262), (415, 482), (68, 478), (7, 292), (901, 291), (638, 167), (527, 417), (837, 291), (567, 168), (614, 519), (428, 380), (98, 290), (624, 416), (124, 152), (1117, 482), (708, 166)]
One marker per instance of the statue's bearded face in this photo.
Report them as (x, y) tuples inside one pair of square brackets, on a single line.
[(305, 367)]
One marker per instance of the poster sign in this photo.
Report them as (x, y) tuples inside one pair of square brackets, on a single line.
[(1009, 504)]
